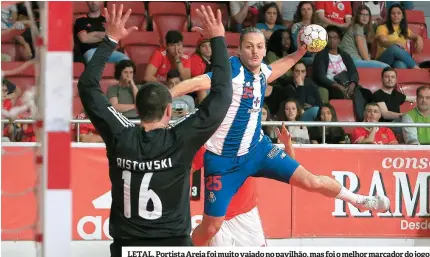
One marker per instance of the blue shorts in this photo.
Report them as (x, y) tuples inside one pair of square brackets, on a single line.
[(225, 175)]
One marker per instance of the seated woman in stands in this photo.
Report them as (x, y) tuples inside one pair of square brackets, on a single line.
[(270, 19), (356, 38), (373, 135), (333, 135), (278, 46), (305, 15), (290, 110), (392, 40)]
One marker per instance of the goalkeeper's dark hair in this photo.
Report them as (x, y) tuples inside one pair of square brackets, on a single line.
[(152, 100)]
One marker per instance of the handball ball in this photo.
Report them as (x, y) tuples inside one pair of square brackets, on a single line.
[(314, 37)]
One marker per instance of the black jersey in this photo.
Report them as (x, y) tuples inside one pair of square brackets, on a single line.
[(149, 171)]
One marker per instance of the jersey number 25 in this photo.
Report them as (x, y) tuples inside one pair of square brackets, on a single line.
[(144, 196)]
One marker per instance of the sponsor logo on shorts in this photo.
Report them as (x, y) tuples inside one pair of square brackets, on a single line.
[(211, 197), (275, 151)]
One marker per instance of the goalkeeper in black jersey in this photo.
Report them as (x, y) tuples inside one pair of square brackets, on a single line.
[(149, 164)]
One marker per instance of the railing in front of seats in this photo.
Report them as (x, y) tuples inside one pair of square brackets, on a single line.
[(276, 123)]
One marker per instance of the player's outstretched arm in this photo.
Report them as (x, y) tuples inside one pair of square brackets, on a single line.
[(284, 137), (281, 66), (200, 125), (198, 83), (101, 113)]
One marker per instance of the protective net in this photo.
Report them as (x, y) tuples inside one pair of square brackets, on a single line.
[(21, 183)]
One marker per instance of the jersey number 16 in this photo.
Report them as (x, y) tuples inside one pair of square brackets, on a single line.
[(145, 194)]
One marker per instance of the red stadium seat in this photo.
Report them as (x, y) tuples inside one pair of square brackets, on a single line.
[(195, 20), (163, 7), (78, 68), (139, 78), (80, 7), (190, 42), (77, 106), (232, 39), (106, 83), (140, 46), (138, 16), (10, 49), (406, 107), (424, 55), (370, 78), (417, 22), (162, 23), (344, 111), (109, 71), (412, 75), (410, 88)]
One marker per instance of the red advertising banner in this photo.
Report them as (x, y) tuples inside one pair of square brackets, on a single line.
[(91, 197), (403, 175)]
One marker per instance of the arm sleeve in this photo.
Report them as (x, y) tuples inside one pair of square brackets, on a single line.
[(391, 136), (198, 126), (108, 122), (357, 133)]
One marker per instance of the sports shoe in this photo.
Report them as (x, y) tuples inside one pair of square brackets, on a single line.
[(376, 203)]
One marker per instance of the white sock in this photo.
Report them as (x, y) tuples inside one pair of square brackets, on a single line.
[(349, 196)]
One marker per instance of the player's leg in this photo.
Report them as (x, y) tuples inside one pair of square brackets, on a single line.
[(277, 165), (244, 229), (222, 180)]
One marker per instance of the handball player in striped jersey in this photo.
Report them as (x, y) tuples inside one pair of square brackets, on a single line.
[(242, 225), (239, 150)]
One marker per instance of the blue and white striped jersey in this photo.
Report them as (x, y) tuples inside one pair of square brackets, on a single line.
[(241, 130)]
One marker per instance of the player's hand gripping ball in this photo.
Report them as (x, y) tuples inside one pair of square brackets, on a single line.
[(314, 37)]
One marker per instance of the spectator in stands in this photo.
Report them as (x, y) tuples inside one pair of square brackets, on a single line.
[(26, 41), (245, 13), (270, 19), (275, 94), (268, 130), (123, 96), (183, 105), (304, 16), (420, 114), (304, 91), (201, 59), (389, 99), (374, 135), (9, 15), (278, 46), (335, 13), (333, 135), (357, 37), (377, 9), (170, 58), (89, 31), (407, 5), (87, 132), (288, 9), (290, 110), (392, 40), (10, 91), (336, 69)]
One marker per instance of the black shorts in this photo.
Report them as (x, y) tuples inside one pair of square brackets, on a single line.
[(116, 246)]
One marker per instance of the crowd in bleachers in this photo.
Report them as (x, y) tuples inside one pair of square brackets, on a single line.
[(375, 67)]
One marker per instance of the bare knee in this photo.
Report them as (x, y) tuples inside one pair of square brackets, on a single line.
[(306, 180)]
